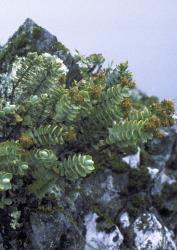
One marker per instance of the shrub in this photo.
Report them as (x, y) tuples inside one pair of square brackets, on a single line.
[(50, 131)]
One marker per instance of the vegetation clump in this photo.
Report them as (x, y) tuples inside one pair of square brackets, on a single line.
[(50, 130), (37, 31)]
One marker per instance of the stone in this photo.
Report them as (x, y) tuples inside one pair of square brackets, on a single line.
[(100, 239), (124, 220), (150, 234), (104, 189), (133, 160), (46, 230), (30, 37)]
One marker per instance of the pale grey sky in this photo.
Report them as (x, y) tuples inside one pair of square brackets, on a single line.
[(144, 32)]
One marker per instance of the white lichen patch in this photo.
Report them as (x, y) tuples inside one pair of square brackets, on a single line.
[(124, 220), (6, 80), (110, 191), (153, 172), (160, 180), (132, 160), (165, 179), (99, 240), (151, 235)]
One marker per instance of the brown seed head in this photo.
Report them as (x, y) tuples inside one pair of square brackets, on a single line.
[(26, 141)]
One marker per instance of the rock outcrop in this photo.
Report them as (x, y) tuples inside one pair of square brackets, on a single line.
[(30, 37)]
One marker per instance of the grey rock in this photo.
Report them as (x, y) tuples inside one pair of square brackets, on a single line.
[(104, 189), (98, 240), (162, 155), (45, 40), (150, 234), (31, 37), (1, 242), (161, 150), (47, 230), (42, 40), (54, 230)]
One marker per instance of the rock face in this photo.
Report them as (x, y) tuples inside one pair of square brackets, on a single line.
[(32, 38), (132, 206), (102, 239), (42, 39), (151, 234), (105, 189), (47, 230)]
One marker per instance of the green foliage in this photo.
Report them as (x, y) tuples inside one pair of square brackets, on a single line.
[(77, 166), (139, 115), (49, 169), (60, 47), (39, 71), (138, 179), (138, 128), (89, 64), (37, 31), (5, 179), (46, 135), (108, 108), (50, 131), (65, 110), (120, 74), (4, 201), (128, 133), (43, 158), (44, 169), (11, 158)]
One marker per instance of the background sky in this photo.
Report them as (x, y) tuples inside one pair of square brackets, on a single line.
[(144, 32)]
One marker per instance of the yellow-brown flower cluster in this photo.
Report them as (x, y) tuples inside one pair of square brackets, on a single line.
[(70, 135), (99, 77), (95, 90), (158, 134), (164, 110), (76, 97), (152, 124), (25, 153), (168, 106), (62, 79), (18, 118), (26, 141), (125, 82), (126, 105)]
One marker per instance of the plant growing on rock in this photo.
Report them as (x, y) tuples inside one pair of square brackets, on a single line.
[(49, 130)]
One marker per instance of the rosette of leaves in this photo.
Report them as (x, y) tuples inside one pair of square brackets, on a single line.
[(44, 169), (11, 158), (76, 166), (5, 179), (43, 158), (47, 169)]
